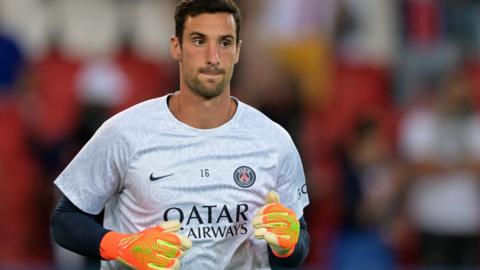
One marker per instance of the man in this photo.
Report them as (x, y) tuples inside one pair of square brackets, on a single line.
[(208, 168), (440, 141)]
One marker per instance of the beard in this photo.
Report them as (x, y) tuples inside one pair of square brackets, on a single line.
[(208, 91)]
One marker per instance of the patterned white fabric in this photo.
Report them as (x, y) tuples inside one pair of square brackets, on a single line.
[(144, 166)]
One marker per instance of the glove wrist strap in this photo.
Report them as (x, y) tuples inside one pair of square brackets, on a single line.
[(108, 245), (283, 255)]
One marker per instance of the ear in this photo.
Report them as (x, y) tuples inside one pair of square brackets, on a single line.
[(239, 46), (175, 48)]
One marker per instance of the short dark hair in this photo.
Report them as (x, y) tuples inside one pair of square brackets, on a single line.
[(193, 8)]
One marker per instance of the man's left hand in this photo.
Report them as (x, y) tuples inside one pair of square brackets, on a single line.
[(278, 225)]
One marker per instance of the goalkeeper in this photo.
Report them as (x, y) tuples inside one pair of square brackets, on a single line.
[(195, 179)]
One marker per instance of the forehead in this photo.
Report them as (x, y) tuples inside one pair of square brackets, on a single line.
[(211, 24)]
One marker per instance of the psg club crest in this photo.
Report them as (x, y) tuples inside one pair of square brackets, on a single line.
[(244, 176)]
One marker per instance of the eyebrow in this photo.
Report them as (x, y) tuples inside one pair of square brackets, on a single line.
[(204, 36), (197, 34), (228, 37)]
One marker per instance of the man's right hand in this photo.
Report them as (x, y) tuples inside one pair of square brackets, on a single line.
[(155, 248)]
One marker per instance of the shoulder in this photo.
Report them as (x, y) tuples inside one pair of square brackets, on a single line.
[(137, 115), (131, 123), (261, 126), (254, 117)]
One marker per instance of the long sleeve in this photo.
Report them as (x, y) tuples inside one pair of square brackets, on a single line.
[(301, 250), (76, 230)]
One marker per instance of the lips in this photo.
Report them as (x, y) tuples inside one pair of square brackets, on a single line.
[(212, 71)]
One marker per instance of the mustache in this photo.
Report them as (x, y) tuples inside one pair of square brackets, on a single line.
[(211, 70)]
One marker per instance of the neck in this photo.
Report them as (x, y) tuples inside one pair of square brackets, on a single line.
[(202, 113)]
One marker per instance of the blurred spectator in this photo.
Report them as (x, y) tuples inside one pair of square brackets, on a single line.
[(280, 101), (436, 35), (108, 85), (23, 224), (52, 107), (426, 52), (145, 78), (373, 184), (441, 143), (462, 18), (25, 238), (12, 63), (363, 38), (51, 114), (295, 36), (101, 86)]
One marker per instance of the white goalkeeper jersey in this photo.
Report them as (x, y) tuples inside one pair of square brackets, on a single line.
[(144, 167)]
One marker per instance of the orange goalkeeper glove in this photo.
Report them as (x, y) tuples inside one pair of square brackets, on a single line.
[(155, 248), (278, 225)]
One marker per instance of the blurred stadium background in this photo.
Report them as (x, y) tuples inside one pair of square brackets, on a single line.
[(360, 85)]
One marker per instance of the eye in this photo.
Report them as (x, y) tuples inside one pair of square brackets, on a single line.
[(198, 41), (226, 43)]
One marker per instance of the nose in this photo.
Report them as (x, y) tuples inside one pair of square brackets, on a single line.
[(212, 55)]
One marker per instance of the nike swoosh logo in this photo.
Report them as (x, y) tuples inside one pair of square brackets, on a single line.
[(153, 178)]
